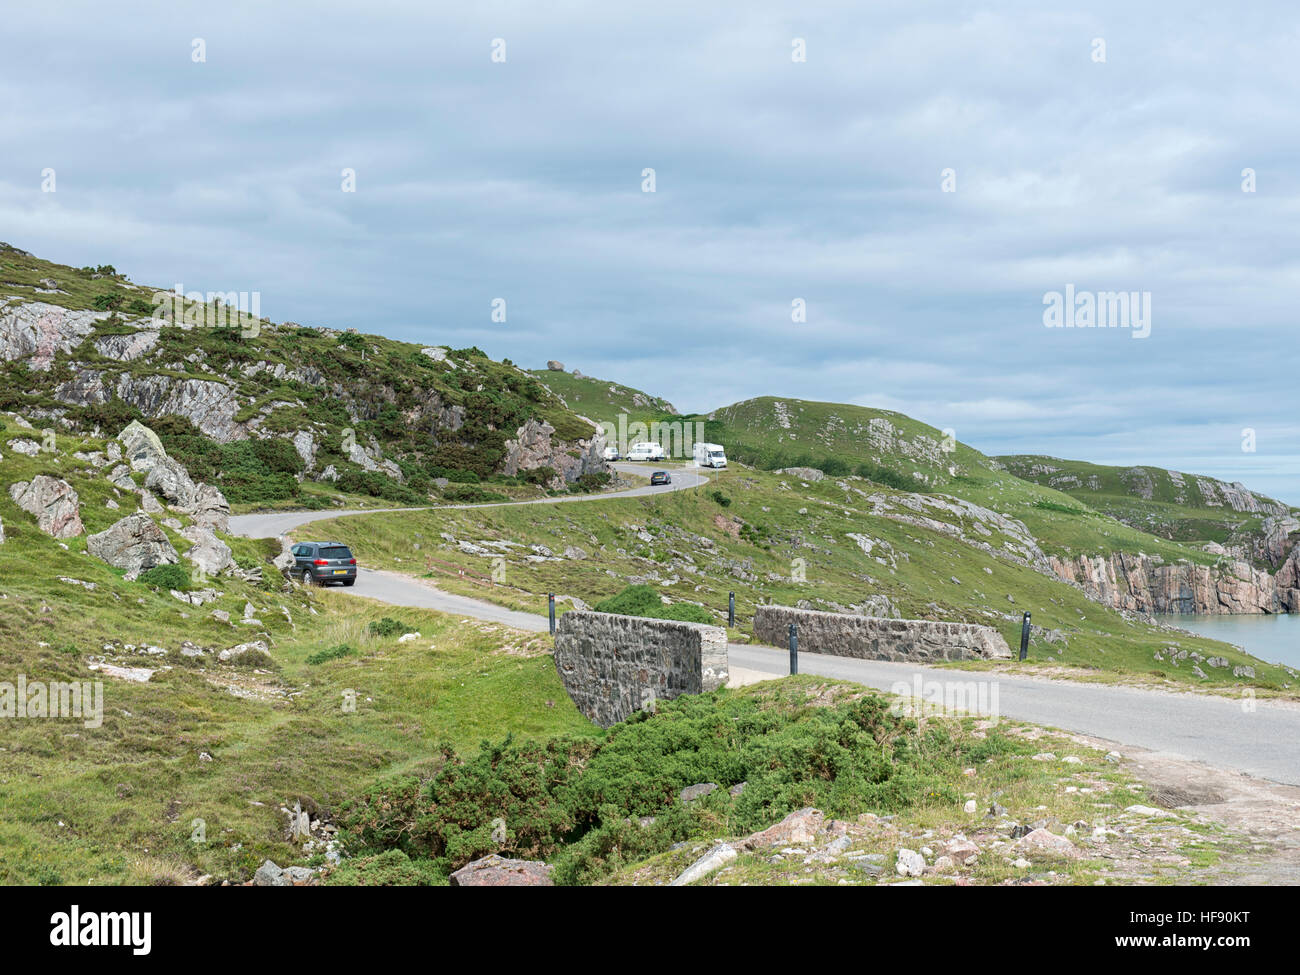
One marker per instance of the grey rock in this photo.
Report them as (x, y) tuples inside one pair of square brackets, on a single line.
[(909, 863), (497, 871), (269, 875), (54, 503), (693, 792), (135, 544), (209, 554)]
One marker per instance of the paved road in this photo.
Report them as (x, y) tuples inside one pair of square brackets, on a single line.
[(1218, 731), (275, 524), (400, 590), (1215, 730)]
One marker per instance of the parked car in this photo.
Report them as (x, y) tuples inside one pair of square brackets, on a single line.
[(660, 477), (320, 563)]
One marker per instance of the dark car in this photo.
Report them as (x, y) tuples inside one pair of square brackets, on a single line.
[(320, 563), (660, 477)]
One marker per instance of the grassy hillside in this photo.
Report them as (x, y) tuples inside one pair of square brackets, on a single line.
[(604, 401), (771, 433), (832, 544), (1181, 507), (895, 451), (227, 742), (356, 414)]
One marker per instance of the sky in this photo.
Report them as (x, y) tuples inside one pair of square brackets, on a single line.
[(922, 179)]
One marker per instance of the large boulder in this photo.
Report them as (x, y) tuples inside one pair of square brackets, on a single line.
[(497, 871), (144, 451), (210, 554), (141, 447), (210, 508), (135, 544), (533, 447), (54, 503)]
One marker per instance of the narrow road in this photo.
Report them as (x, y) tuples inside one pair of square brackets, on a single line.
[(1259, 738), (1219, 731), (277, 523)]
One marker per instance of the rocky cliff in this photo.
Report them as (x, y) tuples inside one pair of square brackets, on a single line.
[(1143, 584)]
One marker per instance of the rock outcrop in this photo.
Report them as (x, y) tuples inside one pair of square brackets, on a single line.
[(53, 501), (144, 451), (533, 447), (209, 554), (497, 871), (135, 544), (36, 331), (1143, 584)]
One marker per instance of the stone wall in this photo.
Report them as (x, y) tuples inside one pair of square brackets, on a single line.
[(873, 638), (611, 665)]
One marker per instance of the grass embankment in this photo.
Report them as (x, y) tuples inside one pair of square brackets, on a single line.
[(605, 402), (117, 803), (607, 809), (774, 539)]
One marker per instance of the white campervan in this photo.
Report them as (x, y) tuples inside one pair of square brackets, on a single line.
[(710, 455), (645, 450)]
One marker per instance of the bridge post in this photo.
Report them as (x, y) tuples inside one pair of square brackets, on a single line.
[(550, 606), (794, 648), (1024, 637), (731, 610)]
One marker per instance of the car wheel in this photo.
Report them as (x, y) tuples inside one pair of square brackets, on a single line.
[(349, 582), (309, 578)]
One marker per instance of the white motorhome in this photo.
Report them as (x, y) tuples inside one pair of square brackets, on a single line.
[(710, 455), (611, 453), (645, 450)]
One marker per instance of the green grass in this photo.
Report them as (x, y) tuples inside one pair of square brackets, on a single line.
[(83, 805), (1181, 507), (604, 401), (694, 550), (607, 809), (399, 394)]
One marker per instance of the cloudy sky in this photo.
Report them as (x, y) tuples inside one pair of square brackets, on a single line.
[(1102, 149)]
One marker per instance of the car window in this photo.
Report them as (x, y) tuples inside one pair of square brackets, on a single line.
[(335, 552), (300, 550)]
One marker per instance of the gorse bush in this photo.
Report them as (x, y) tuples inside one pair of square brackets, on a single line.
[(166, 577), (387, 627), (577, 801), (644, 601), (331, 653)]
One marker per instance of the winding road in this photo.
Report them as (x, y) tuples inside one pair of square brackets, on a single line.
[(276, 523), (1260, 738)]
